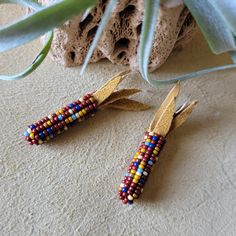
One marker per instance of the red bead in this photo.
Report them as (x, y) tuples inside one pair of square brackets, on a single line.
[(125, 201), (27, 138), (34, 141), (36, 137), (45, 133)]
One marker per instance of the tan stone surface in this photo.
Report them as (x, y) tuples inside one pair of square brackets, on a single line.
[(120, 39), (69, 186)]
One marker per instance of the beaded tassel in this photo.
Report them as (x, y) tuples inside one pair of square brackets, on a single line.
[(58, 122), (81, 109), (166, 119), (140, 167)]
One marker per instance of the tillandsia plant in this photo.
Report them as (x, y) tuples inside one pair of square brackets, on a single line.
[(215, 18)]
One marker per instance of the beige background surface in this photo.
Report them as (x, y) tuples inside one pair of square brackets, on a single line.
[(69, 186)]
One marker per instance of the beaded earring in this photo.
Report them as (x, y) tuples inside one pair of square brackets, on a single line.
[(83, 108), (166, 119)]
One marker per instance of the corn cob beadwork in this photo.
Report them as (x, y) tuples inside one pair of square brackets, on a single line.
[(140, 167), (54, 124)]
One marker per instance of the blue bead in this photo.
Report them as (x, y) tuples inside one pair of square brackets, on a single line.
[(127, 174), (71, 105), (152, 145), (26, 134), (32, 126), (154, 138), (124, 190), (41, 135), (142, 181), (150, 163), (60, 118), (49, 130), (77, 108), (74, 117), (147, 143), (140, 170), (136, 164), (130, 202)]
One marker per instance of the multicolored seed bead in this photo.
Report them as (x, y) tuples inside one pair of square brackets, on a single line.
[(58, 122), (140, 167)]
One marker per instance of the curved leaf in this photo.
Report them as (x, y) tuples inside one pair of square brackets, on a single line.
[(104, 21), (213, 24), (151, 8), (36, 62), (40, 22)]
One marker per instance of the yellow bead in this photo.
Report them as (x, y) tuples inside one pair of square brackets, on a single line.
[(61, 111), (141, 166), (84, 111), (157, 148), (142, 150), (67, 121), (155, 152), (92, 99), (81, 113), (143, 163), (135, 181), (137, 177), (45, 125), (148, 140), (70, 119), (49, 122), (57, 113), (31, 135), (132, 175), (133, 171)]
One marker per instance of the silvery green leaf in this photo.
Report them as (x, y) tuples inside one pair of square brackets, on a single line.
[(213, 25), (40, 22), (105, 18), (228, 10), (151, 8), (36, 62)]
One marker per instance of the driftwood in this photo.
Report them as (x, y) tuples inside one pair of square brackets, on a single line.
[(119, 41)]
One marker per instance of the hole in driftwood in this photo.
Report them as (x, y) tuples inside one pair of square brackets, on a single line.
[(85, 22), (127, 11), (187, 22), (122, 43), (121, 55), (72, 55), (139, 28), (92, 31)]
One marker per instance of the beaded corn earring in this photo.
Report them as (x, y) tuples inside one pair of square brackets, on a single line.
[(166, 119), (83, 108)]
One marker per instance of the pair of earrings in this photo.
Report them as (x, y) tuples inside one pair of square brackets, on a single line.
[(166, 119)]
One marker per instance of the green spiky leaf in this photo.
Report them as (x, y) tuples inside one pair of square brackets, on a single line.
[(40, 22)]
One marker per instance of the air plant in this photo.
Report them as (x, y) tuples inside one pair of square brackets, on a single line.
[(215, 18)]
